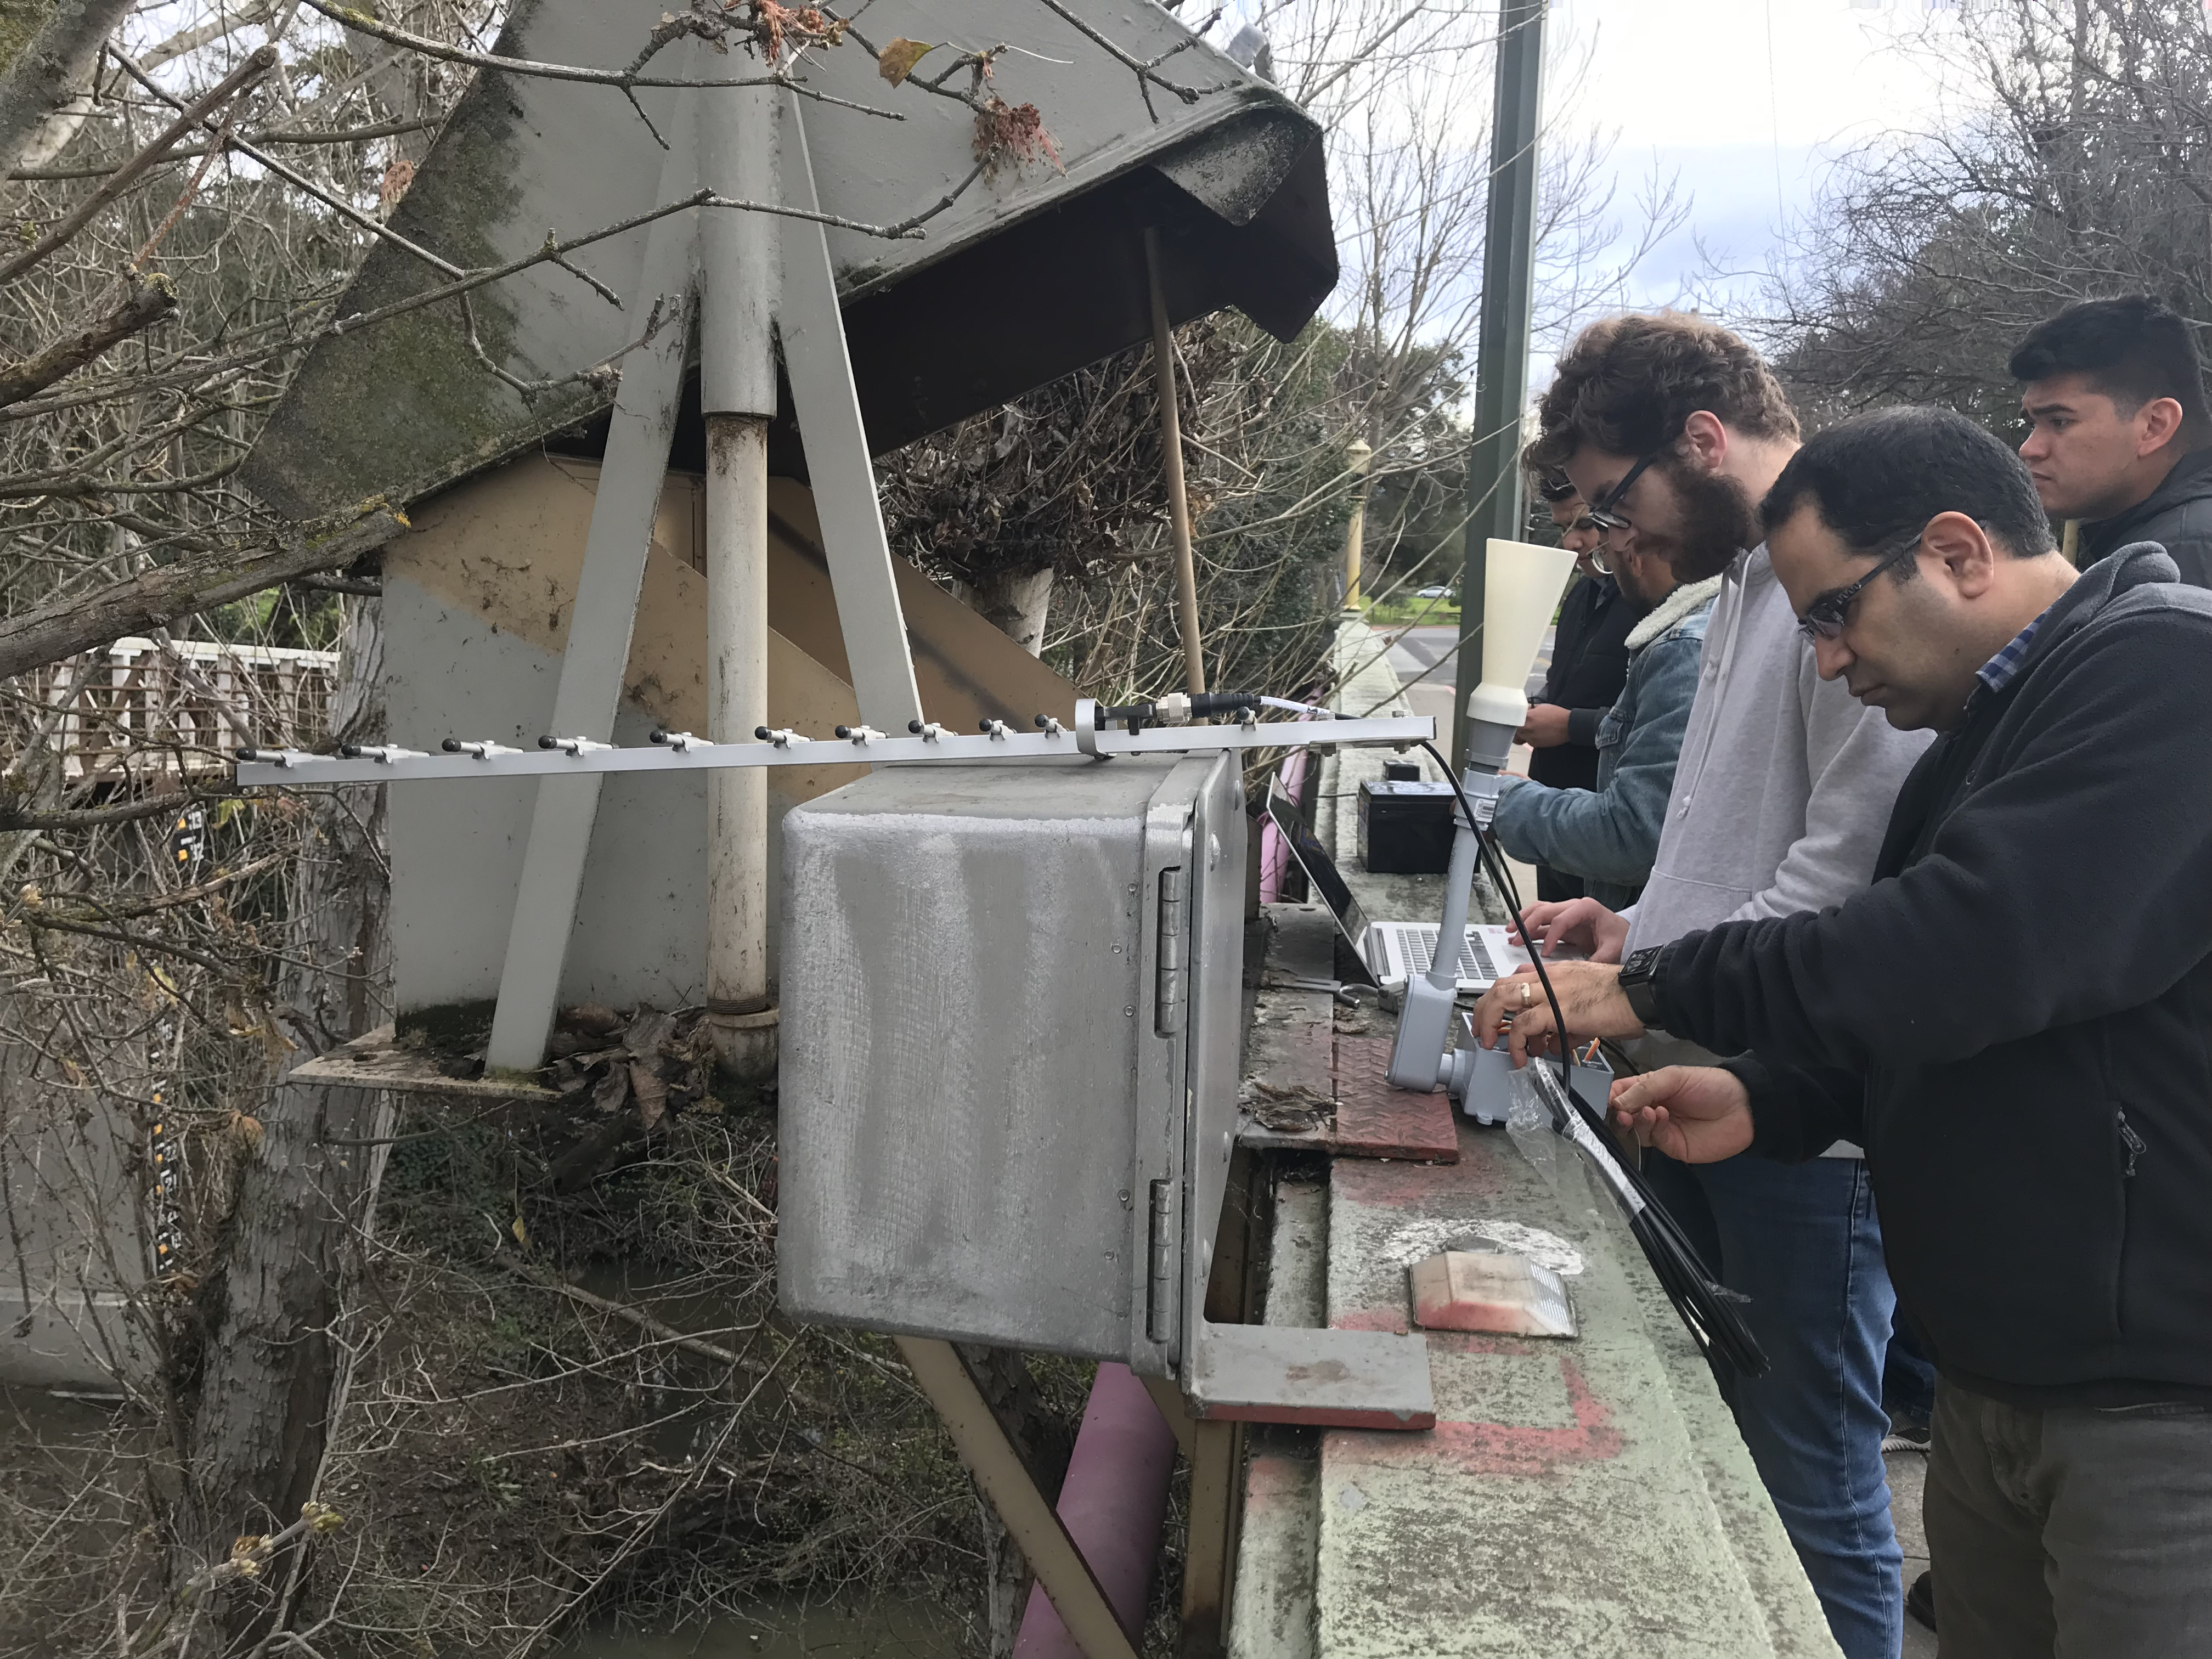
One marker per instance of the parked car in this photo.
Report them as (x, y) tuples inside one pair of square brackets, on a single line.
[(1432, 593)]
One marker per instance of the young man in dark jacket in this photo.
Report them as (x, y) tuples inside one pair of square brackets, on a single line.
[(2014, 1021), (1588, 667), (2121, 438)]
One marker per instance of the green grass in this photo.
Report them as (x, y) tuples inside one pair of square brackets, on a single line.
[(1403, 608)]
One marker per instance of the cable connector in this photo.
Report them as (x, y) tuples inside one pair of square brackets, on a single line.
[(382, 753), (484, 750), (1050, 728), (573, 746), (681, 742), (782, 736), (997, 730), (859, 734), (928, 731)]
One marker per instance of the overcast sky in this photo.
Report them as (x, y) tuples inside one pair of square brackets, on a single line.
[(1745, 101)]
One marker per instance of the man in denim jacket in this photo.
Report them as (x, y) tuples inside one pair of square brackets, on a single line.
[(1610, 835)]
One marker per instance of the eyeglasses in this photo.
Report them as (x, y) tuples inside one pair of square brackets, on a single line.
[(1604, 512), (1827, 616)]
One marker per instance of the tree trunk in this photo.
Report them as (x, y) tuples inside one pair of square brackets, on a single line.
[(54, 67), (274, 1375), (1014, 603)]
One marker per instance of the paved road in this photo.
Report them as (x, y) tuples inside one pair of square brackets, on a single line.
[(1418, 650)]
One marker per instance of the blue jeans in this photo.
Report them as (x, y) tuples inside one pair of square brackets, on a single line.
[(1908, 1378), (1803, 1242)]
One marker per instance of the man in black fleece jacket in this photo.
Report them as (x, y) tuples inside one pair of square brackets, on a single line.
[(2014, 1021), (2119, 430)]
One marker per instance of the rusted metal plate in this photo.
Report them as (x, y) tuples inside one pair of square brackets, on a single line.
[(1326, 1092), (1374, 1119)]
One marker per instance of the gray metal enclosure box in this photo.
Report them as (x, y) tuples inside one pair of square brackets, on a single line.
[(1010, 1050)]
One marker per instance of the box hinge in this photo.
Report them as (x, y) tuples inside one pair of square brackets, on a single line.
[(1173, 977), (1160, 1299)]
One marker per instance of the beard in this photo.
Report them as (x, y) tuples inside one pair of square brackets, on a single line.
[(1718, 522)]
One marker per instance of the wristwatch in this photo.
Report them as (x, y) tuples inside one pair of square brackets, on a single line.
[(1635, 984)]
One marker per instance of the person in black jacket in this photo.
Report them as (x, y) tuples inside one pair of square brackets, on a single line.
[(2120, 436), (1589, 670), (2014, 1021)]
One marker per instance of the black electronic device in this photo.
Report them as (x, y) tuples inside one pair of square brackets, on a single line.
[(1406, 827)]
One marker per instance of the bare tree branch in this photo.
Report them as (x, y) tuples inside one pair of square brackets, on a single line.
[(144, 302), (124, 176), (198, 582)]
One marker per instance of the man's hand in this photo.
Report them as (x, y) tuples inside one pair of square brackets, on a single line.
[(1582, 924), (1590, 996), (1693, 1113), (1545, 728)]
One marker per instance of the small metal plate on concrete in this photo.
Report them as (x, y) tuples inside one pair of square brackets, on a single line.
[(1336, 1379), (1489, 1291), (1361, 1115), (1374, 1119), (380, 1060)]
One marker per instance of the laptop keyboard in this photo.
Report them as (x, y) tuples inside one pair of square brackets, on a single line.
[(1473, 960)]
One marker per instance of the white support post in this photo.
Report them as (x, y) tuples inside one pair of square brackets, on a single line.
[(737, 381), (813, 331), (598, 650)]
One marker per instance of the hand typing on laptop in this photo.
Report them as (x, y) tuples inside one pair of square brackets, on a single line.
[(1582, 925)]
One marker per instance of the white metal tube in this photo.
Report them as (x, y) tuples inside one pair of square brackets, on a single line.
[(737, 999)]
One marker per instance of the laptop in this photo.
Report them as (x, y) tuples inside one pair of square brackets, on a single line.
[(1391, 952)]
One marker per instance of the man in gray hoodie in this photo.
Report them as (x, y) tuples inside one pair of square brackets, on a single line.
[(1673, 428), (1609, 835)]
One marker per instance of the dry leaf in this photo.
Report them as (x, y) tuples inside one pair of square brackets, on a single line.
[(651, 1094), (594, 1018), (897, 61), (521, 1233)]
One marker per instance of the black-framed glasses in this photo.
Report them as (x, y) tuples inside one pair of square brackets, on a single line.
[(1604, 512), (1827, 616)]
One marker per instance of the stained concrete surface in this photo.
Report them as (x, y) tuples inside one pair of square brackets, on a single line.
[(1416, 651)]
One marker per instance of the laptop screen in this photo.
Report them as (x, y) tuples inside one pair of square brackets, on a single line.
[(1320, 870)]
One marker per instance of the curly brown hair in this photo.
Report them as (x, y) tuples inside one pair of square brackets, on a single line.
[(1627, 385)]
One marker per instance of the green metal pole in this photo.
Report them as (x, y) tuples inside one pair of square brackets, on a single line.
[(1509, 282)]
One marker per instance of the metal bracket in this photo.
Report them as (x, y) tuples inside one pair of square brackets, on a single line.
[(1035, 1526)]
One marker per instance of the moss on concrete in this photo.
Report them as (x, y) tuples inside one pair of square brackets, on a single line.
[(405, 406)]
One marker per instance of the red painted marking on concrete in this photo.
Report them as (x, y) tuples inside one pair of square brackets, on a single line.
[(1394, 1320), (1473, 1342), (1374, 1119), (1515, 1448)]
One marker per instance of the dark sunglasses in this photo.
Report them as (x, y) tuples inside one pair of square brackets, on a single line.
[(1605, 513), (1826, 617)]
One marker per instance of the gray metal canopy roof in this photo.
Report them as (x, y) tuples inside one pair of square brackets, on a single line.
[(1032, 273)]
